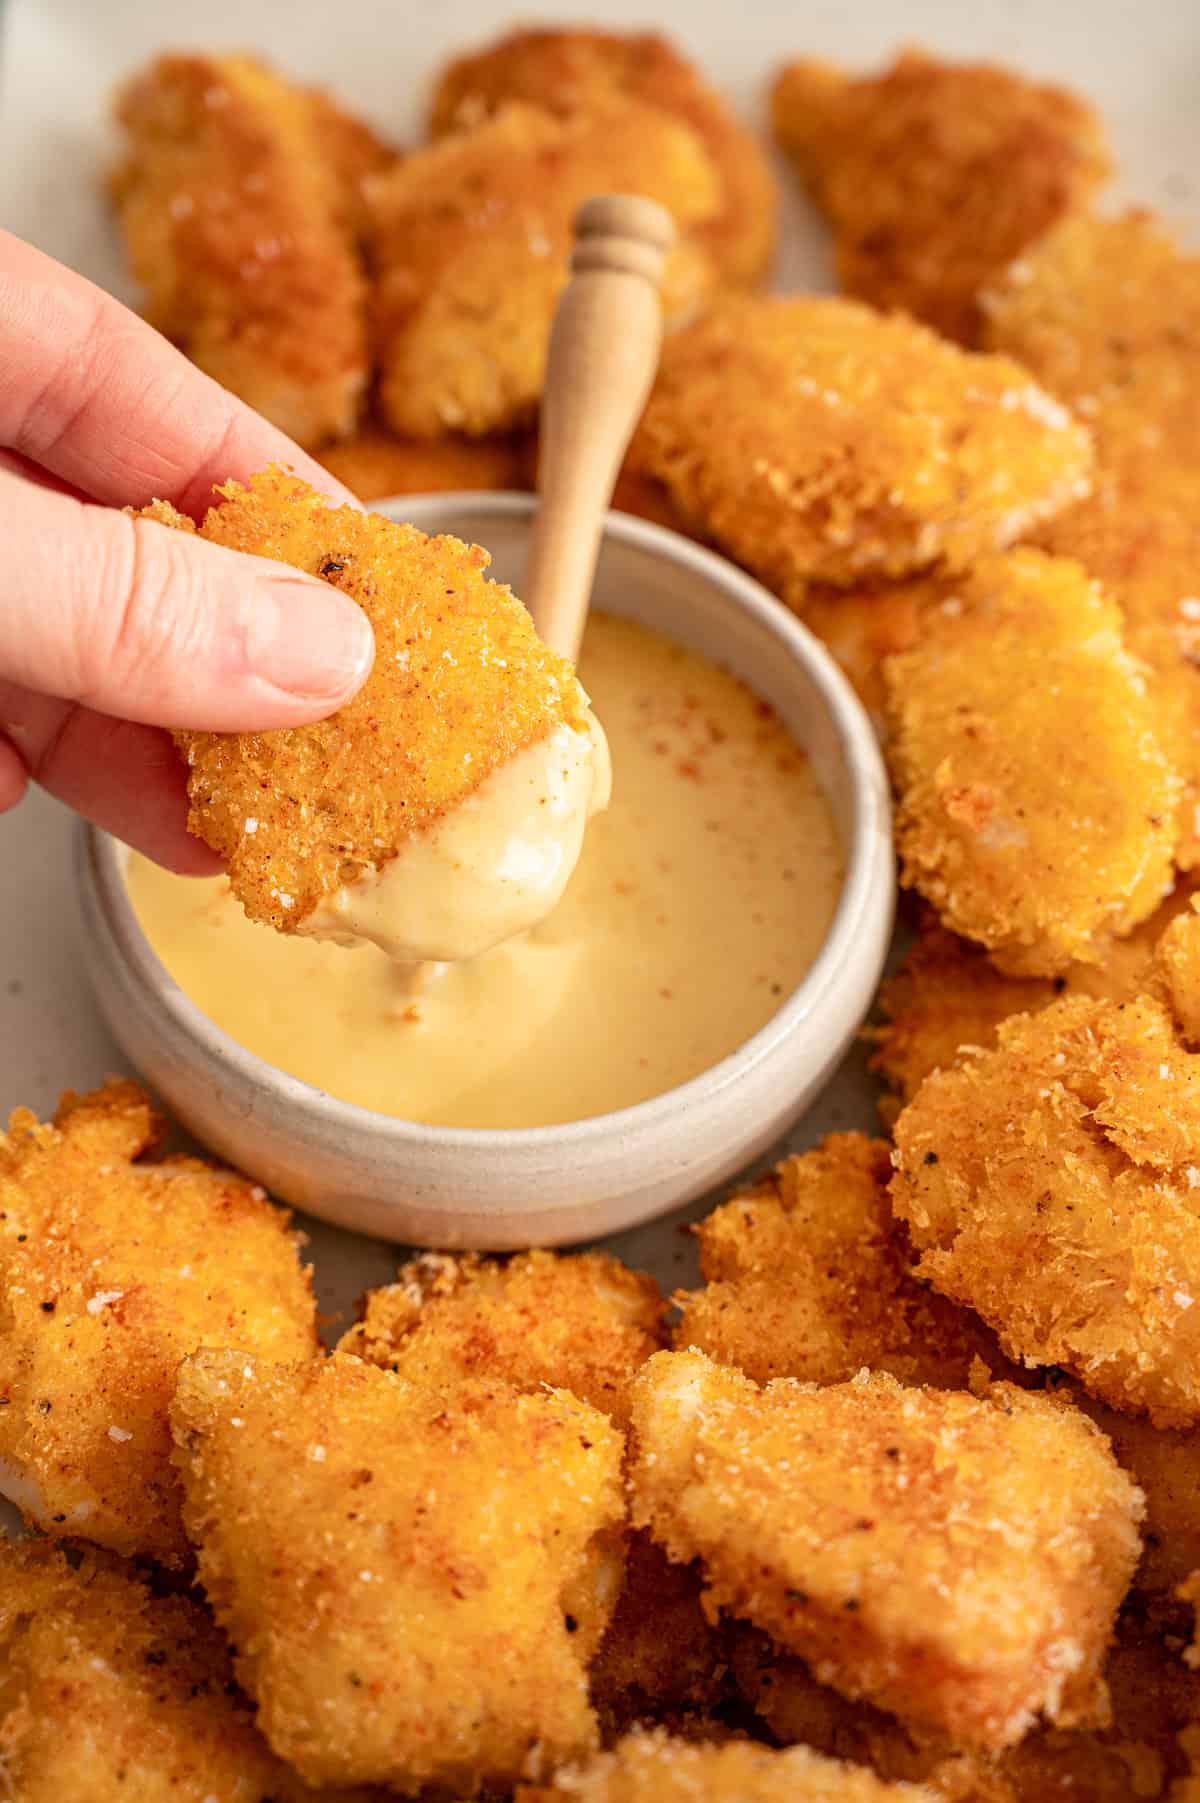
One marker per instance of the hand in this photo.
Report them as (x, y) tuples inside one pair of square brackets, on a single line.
[(113, 628)]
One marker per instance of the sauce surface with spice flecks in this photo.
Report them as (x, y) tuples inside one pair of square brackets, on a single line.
[(700, 900)]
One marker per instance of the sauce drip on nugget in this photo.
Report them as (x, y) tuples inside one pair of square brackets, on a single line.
[(468, 737)]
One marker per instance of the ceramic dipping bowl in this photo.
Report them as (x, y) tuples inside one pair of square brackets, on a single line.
[(458, 1187)]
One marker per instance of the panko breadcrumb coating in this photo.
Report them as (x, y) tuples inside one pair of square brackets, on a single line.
[(238, 197), (112, 1270), (1106, 314), (947, 995), (461, 683), (935, 175), (808, 1276), (653, 1767), (109, 1689), (571, 71), (1037, 807), (1177, 962), (401, 1572), (818, 442), (956, 1559), (1166, 1467), (582, 1323), (1051, 1185), (863, 626), (470, 241), (375, 464)]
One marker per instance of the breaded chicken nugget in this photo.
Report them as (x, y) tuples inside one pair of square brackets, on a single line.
[(661, 1658), (808, 1275), (238, 198), (111, 1271), (862, 627), (1106, 313), (956, 1559), (403, 1573), (582, 1323), (935, 175), (461, 684), (947, 995), (1036, 805), (374, 464), (1165, 1465), (818, 442), (571, 71), (1050, 1185), (470, 241), (110, 1691), (654, 1767), (1177, 960)]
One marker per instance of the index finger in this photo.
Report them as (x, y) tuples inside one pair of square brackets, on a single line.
[(103, 401)]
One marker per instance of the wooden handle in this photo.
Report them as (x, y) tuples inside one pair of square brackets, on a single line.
[(602, 360)]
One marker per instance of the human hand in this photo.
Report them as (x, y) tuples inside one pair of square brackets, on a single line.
[(113, 628)]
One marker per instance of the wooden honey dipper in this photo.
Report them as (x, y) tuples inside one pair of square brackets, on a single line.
[(602, 360)]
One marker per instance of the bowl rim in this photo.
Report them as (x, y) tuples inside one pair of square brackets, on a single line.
[(867, 891)]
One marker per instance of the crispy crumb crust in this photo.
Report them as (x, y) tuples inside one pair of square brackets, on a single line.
[(956, 1559), (582, 1323), (112, 1269), (578, 71), (1050, 1184), (808, 1275), (110, 1688), (393, 1625), (239, 196), (935, 175), (1037, 809), (461, 683), (469, 247), (818, 442)]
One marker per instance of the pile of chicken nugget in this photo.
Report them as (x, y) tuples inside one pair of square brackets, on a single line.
[(903, 1501)]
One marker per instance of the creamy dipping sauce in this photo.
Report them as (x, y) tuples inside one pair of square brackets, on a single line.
[(700, 899)]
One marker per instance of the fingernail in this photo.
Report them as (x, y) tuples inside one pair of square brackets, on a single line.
[(305, 637)]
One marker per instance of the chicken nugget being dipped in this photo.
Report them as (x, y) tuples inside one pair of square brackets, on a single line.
[(935, 175), (111, 1690), (470, 244), (468, 753), (238, 197), (574, 71), (818, 442), (1050, 1185), (808, 1275), (112, 1269), (652, 1767), (582, 1323), (956, 1559), (1037, 807), (413, 1580)]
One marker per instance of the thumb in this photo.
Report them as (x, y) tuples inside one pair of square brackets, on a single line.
[(145, 623)]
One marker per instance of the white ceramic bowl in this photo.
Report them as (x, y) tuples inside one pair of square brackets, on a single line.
[(443, 1186)]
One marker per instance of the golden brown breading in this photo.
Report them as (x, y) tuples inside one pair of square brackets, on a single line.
[(405, 1575), (661, 1659), (1145, 548), (111, 1270), (571, 71), (461, 683), (1106, 313), (1037, 808), (808, 1275), (582, 1323), (375, 464), (1051, 1185), (237, 198), (470, 242), (935, 175), (947, 995), (653, 1767), (862, 627), (110, 1691), (1177, 960), (1166, 1467), (818, 442), (957, 1559)]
